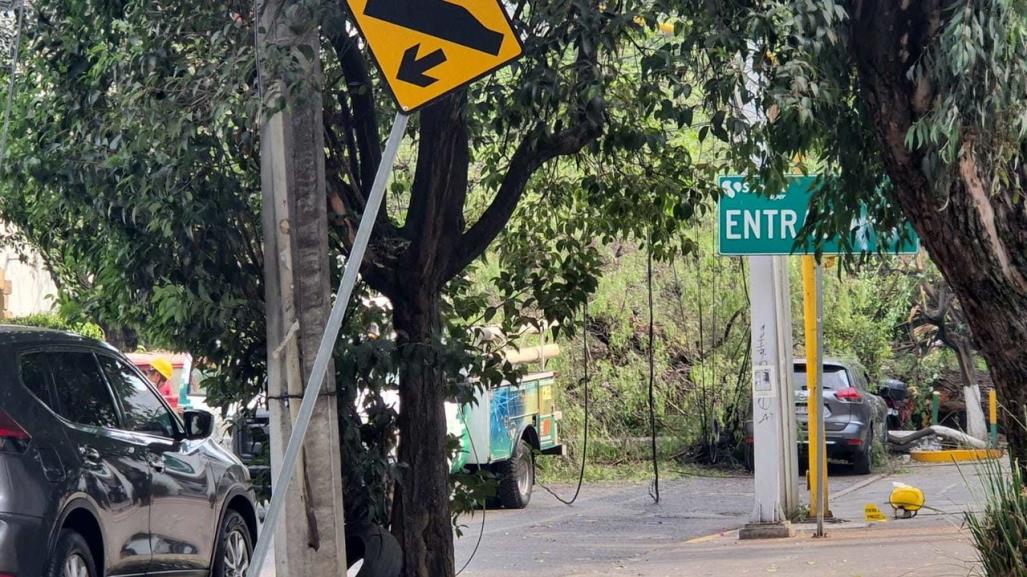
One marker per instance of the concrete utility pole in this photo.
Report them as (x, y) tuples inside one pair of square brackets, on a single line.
[(311, 540), (773, 418), (775, 454)]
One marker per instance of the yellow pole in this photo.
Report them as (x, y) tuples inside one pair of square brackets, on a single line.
[(993, 416), (809, 308)]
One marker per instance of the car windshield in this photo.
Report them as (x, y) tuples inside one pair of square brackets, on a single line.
[(835, 377)]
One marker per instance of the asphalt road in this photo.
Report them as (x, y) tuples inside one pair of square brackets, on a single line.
[(614, 529)]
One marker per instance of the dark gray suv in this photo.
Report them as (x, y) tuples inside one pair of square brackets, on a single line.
[(854, 415), (98, 477)]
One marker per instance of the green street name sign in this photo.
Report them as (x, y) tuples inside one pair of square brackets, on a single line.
[(753, 224)]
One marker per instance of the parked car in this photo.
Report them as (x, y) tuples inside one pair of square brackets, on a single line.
[(251, 443), (99, 477), (855, 416)]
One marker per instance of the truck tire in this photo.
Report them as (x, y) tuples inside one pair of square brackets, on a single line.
[(516, 477)]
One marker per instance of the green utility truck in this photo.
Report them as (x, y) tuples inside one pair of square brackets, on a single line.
[(504, 429)]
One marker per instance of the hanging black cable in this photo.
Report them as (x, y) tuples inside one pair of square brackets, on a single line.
[(717, 342), (484, 507), (584, 443), (654, 492), (703, 412)]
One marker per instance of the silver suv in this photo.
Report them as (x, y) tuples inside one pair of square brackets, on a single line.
[(854, 415)]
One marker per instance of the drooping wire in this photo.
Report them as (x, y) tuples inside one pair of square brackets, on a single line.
[(703, 385), (484, 507), (15, 57), (584, 443), (654, 490), (718, 341)]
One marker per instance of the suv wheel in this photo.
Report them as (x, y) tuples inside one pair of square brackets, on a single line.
[(234, 548), (861, 464), (516, 477), (72, 557)]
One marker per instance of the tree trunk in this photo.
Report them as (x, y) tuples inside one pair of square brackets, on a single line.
[(421, 518), (120, 337), (421, 512), (977, 239)]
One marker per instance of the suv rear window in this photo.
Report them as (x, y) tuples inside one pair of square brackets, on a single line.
[(81, 390), (36, 376), (835, 377)]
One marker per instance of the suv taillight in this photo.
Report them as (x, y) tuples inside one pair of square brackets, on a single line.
[(13, 438), (850, 394)]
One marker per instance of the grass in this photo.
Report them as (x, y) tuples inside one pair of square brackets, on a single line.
[(626, 460)]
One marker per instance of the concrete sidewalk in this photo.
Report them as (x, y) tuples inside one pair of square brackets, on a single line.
[(611, 536), (934, 544), (895, 549)]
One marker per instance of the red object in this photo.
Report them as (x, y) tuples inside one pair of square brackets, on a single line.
[(855, 442), (850, 394), (170, 395), (11, 436)]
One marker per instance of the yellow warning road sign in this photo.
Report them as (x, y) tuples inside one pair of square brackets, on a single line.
[(873, 514), (428, 48)]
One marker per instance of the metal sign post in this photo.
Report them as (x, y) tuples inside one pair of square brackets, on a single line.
[(822, 443), (812, 298), (324, 353)]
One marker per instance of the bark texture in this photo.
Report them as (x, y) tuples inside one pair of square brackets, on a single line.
[(310, 536), (978, 240), (421, 519)]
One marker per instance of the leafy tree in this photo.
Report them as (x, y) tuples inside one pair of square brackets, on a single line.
[(917, 109), (584, 90), (134, 171)]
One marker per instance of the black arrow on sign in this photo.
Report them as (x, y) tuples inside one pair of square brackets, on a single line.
[(440, 19), (412, 69)]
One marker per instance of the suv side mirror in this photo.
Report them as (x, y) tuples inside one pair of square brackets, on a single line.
[(198, 424)]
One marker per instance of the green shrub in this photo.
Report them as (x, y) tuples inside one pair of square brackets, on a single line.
[(1000, 532), (58, 322)]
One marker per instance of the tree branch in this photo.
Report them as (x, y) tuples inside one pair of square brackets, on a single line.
[(364, 112), (530, 155)]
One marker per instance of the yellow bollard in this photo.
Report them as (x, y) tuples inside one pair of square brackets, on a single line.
[(993, 416), (809, 306)]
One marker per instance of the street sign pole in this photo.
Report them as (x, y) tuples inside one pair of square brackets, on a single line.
[(280, 485), (768, 280), (789, 467), (822, 442), (812, 299)]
